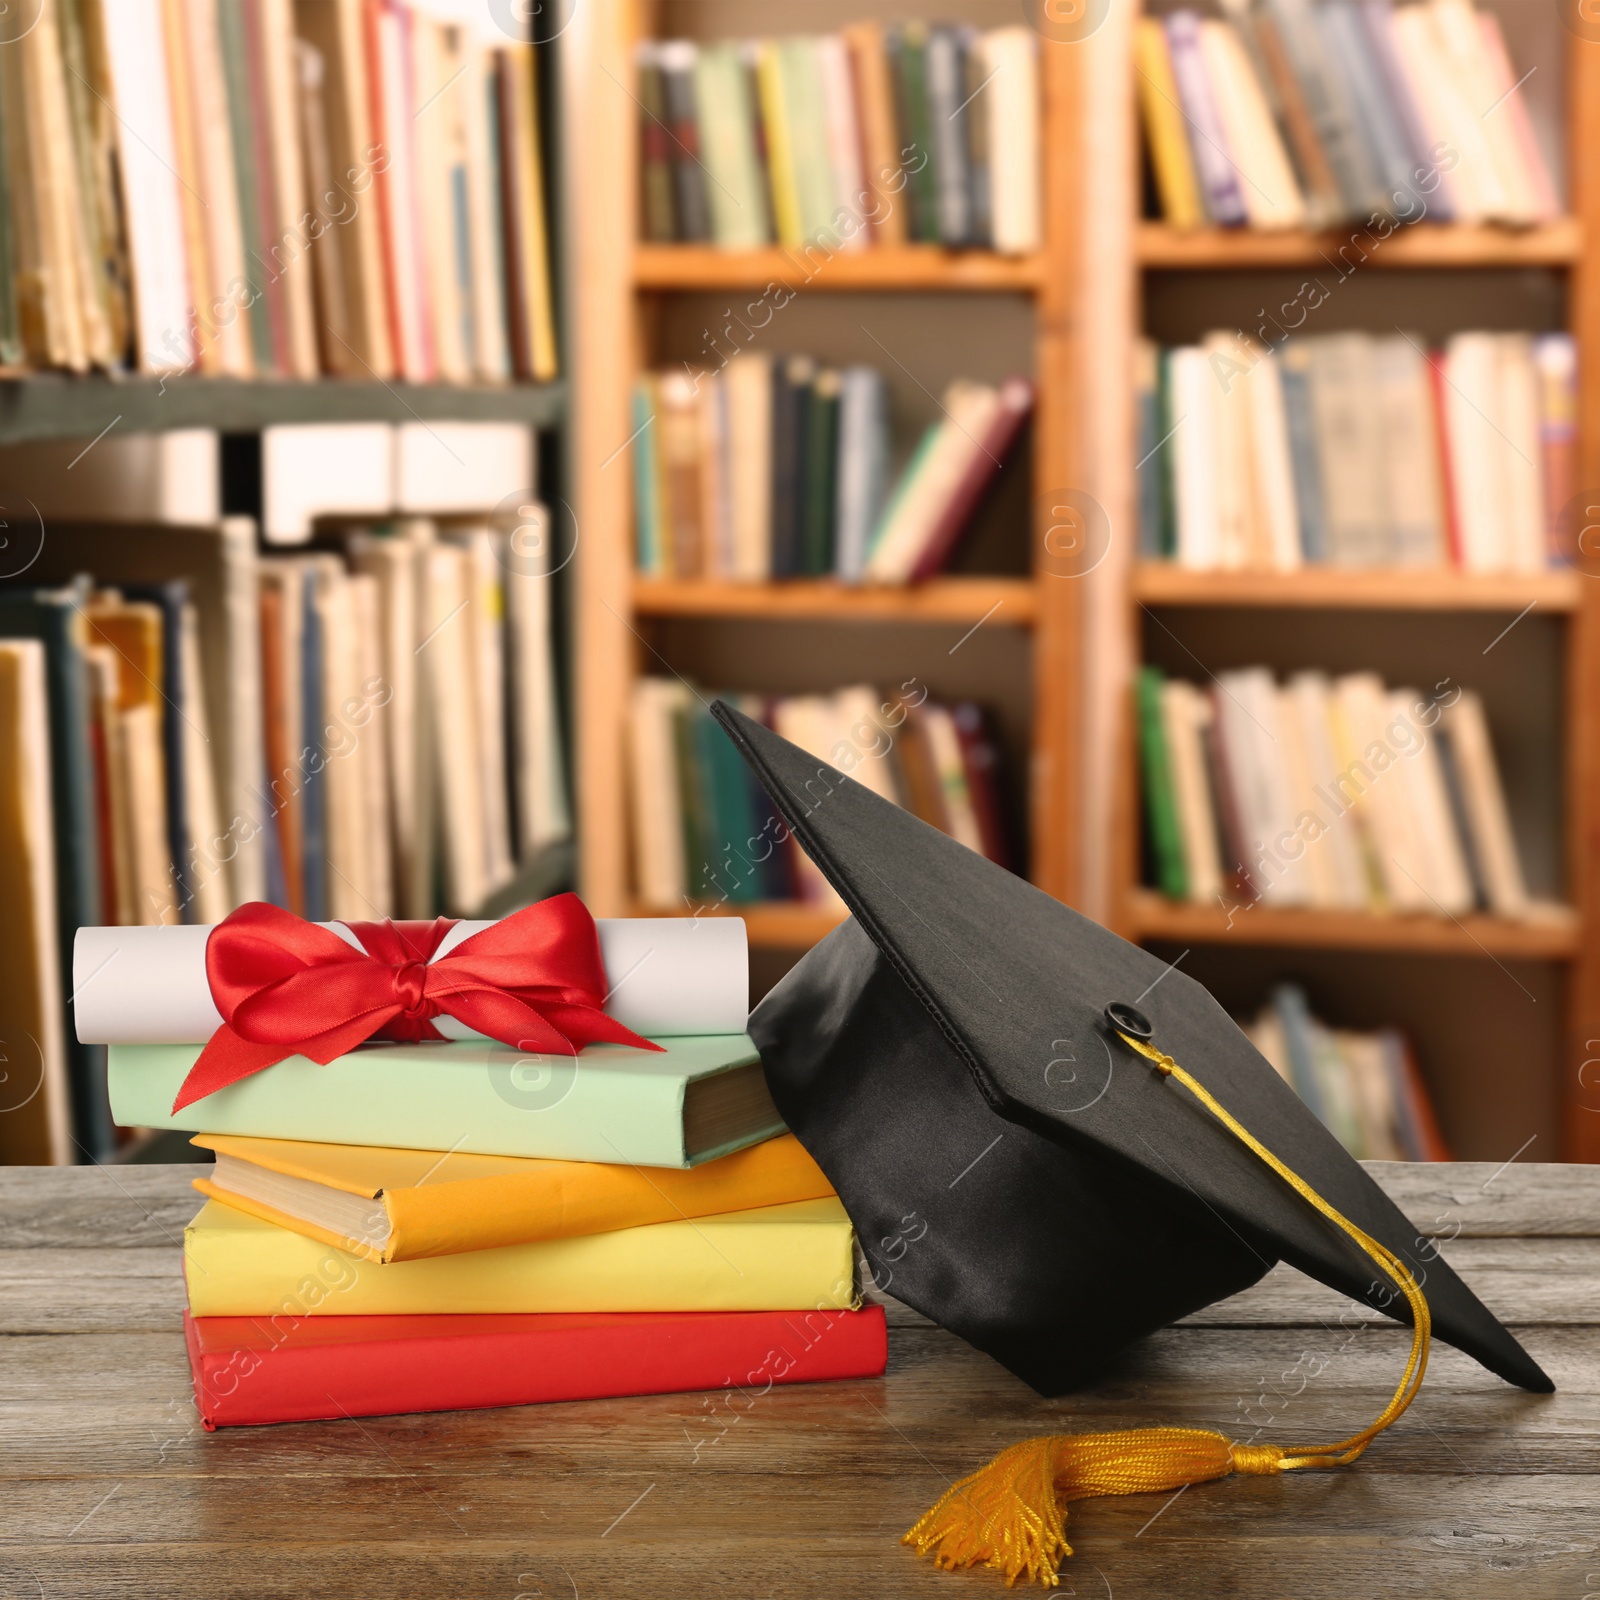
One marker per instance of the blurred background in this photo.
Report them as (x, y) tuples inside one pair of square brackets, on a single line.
[(1157, 449)]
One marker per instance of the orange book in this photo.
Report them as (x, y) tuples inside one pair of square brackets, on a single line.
[(869, 69), (1437, 380), (133, 630), (403, 1205), (281, 768)]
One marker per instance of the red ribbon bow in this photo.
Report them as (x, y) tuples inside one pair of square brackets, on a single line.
[(286, 987)]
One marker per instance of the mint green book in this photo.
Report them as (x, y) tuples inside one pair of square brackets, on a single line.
[(697, 1099), (919, 459), (808, 139), (646, 482), (728, 148)]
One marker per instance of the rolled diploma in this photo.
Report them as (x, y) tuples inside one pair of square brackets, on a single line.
[(667, 976)]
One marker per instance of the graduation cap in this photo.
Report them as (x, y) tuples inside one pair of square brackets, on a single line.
[(1052, 1143)]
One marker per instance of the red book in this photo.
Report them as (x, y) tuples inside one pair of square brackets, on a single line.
[(1016, 402), (251, 1370), (1438, 378)]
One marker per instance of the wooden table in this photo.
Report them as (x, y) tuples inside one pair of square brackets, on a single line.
[(109, 1487)]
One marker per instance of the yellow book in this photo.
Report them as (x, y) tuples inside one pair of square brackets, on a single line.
[(533, 244), (1164, 128), (403, 1205), (780, 151), (774, 1258)]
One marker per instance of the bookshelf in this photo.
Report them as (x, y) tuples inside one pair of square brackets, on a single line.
[(1011, 600), (1323, 588), (626, 297), (219, 614), (1506, 1013), (56, 405), (686, 266), (1553, 938), (1554, 244)]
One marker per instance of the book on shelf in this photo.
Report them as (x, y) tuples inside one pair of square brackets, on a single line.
[(1358, 450), (876, 135), (38, 1125), (249, 1371), (1317, 113), (277, 189), (704, 831), (279, 727), (775, 467), (1329, 793), (1365, 1087)]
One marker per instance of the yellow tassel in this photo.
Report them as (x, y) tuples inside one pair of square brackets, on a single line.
[(1011, 1514)]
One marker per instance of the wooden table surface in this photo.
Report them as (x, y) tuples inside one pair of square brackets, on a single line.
[(109, 1486)]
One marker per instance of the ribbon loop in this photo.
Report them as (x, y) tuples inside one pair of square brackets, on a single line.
[(285, 987)]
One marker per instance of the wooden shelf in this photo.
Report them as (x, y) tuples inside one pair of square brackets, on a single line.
[(55, 405), (1552, 244), (1003, 601), (1164, 583), (1150, 916), (771, 924), (693, 266)]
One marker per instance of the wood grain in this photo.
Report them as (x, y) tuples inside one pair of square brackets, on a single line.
[(111, 1487), (772, 924), (916, 266), (597, 60), (1478, 935), (1552, 244), (1010, 602), (1164, 583)]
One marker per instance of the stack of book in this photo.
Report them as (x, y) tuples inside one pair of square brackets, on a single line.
[(1306, 113), (705, 831), (774, 467), (1359, 450), (1338, 794), (449, 1225), (276, 189), (1366, 1087), (874, 136)]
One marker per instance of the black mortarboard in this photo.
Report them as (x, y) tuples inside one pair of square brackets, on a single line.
[(1015, 1170)]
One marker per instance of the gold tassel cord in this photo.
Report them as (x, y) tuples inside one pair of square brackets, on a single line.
[(1011, 1514)]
